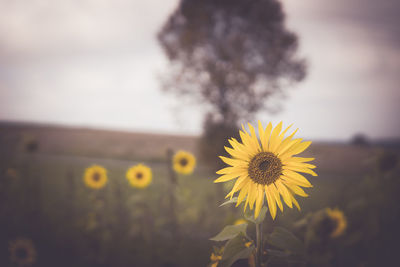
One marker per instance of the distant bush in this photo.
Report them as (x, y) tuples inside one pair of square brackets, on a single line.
[(359, 140)]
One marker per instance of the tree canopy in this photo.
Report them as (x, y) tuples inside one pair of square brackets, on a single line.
[(231, 54)]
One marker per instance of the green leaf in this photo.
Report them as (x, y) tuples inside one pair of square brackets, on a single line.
[(283, 239), (236, 249), (249, 215), (230, 232), (230, 201)]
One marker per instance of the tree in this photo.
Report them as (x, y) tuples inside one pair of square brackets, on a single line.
[(233, 55)]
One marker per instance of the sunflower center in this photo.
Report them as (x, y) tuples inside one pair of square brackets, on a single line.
[(265, 168), (328, 226), (21, 253), (335, 223), (96, 176), (139, 175), (183, 162)]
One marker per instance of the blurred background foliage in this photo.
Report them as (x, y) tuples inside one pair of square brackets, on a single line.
[(44, 199)]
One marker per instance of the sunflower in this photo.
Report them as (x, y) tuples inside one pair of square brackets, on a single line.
[(22, 252), (266, 166), (339, 221), (184, 162), (95, 177), (139, 176)]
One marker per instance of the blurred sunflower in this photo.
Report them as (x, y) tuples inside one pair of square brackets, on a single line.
[(22, 252), (12, 173), (339, 221), (239, 221), (266, 166), (95, 177), (184, 162), (139, 176)]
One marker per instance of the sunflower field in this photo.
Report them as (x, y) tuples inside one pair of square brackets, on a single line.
[(77, 197)]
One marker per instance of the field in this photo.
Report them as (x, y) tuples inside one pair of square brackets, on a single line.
[(43, 198)]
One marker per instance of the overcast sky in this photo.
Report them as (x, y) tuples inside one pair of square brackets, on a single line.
[(95, 63)]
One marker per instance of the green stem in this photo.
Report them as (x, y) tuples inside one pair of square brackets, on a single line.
[(259, 244)]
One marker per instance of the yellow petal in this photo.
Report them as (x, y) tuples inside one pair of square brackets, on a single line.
[(296, 178), (297, 159), (229, 170), (252, 194), (227, 177), (284, 192), (271, 203), (238, 185), (246, 139), (234, 162), (237, 154), (247, 199), (284, 132), (274, 136), (267, 137), (254, 138), (239, 146), (286, 142), (299, 164), (298, 148), (263, 138), (295, 202), (243, 193), (279, 139), (235, 144), (288, 146), (296, 189), (276, 196), (300, 169), (259, 201)]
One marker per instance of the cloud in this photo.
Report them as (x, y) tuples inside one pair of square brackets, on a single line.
[(45, 27)]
